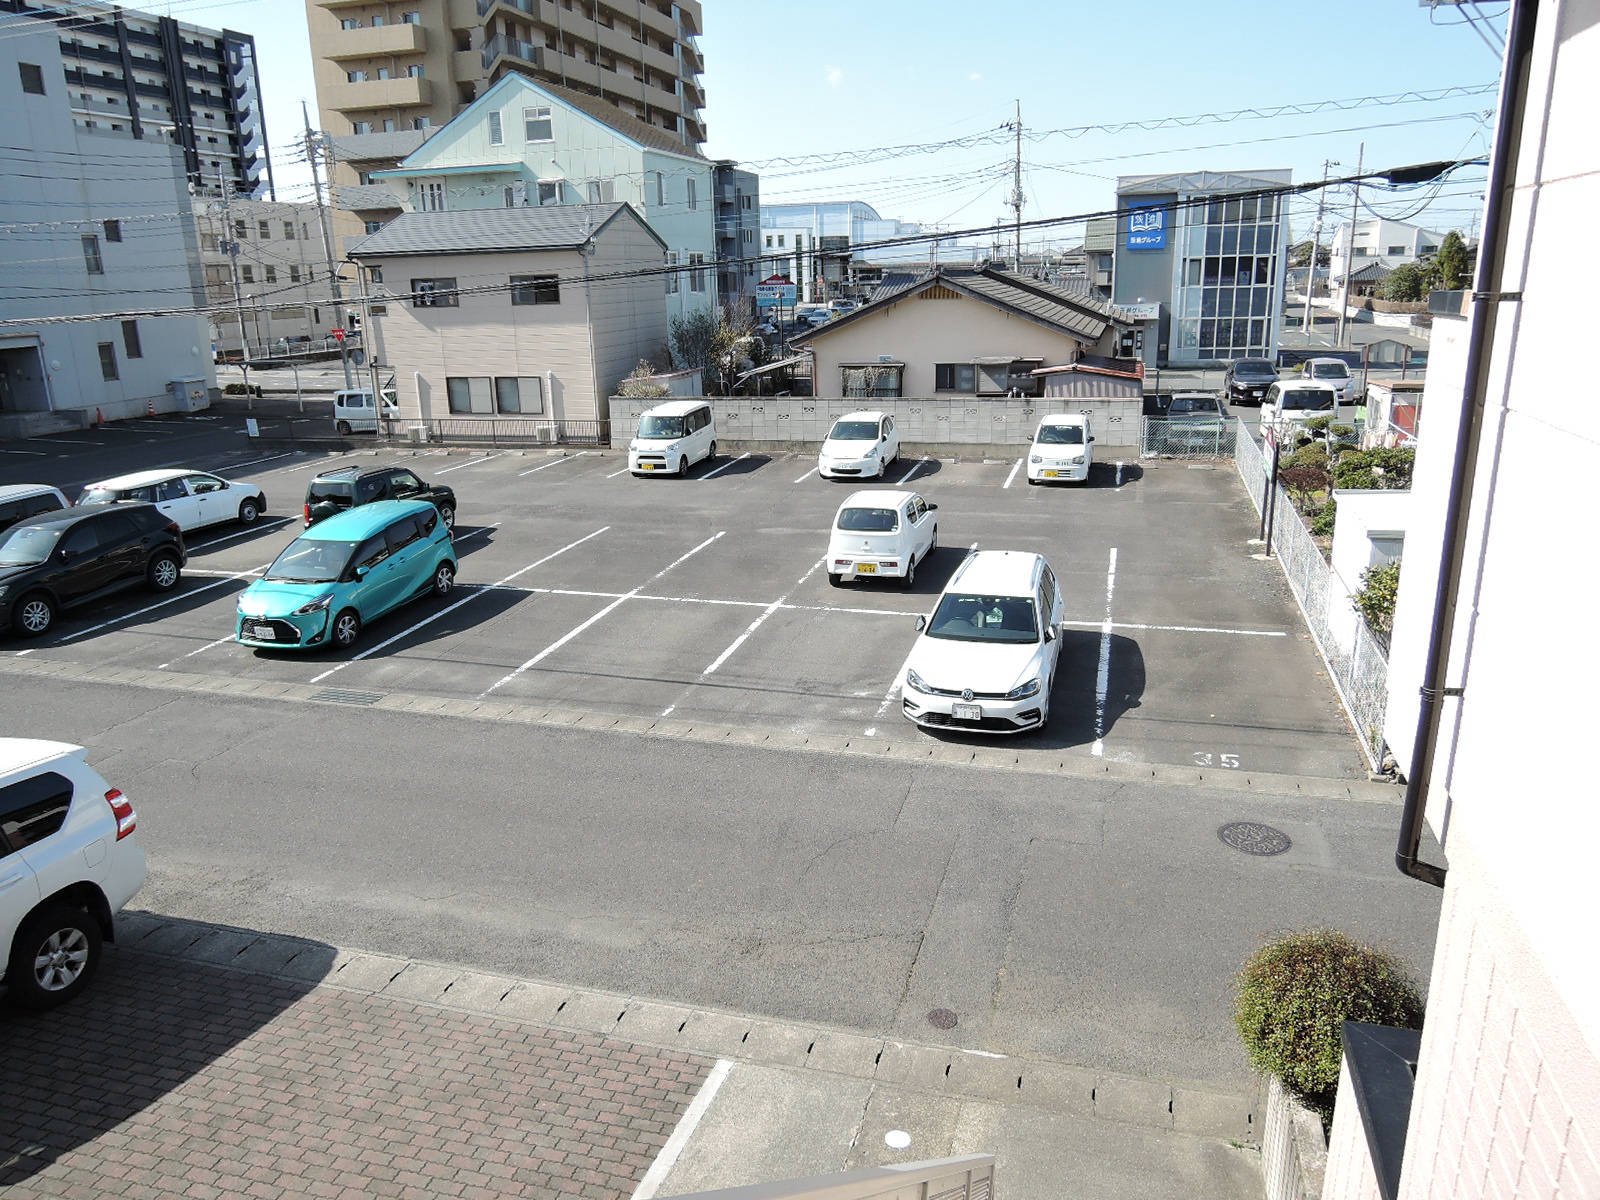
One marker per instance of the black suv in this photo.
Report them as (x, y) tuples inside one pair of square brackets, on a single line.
[(1248, 380), (51, 563), (349, 487)]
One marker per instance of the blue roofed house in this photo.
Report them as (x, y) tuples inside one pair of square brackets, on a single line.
[(527, 144)]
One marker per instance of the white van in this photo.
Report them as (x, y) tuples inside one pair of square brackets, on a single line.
[(1063, 449), (352, 411), (672, 438)]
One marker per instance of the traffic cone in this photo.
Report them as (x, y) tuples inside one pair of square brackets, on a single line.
[(150, 410), (99, 420)]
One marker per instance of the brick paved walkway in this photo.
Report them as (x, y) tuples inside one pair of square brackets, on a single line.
[(173, 1078)]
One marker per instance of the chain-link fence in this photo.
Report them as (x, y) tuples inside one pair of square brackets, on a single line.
[(1181, 437), (1360, 672)]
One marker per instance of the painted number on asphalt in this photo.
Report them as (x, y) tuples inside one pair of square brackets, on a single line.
[(1204, 758)]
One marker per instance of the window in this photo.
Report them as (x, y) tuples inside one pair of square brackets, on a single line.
[(769, 241), (422, 123), (536, 125), (91, 258), (661, 188), (350, 23), (32, 78), (469, 394), (780, 241), (414, 71), (239, 228), (208, 241), (432, 197), (383, 72), (697, 277), (355, 76), (375, 274), (873, 381), (1386, 548), (272, 274), (130, 340), (389, 125), (377, 22), (360, 126), (247, 274), (1397, 250), (694, 193), (535, 289), (600, 191), (497, 135), (549, 193), (113, 230), (433, 293), (370, 553), (108, 361), (373, 226), (33, 809), (288, 231), (672, 274), (954, 377), (519, 394), (411, 18)]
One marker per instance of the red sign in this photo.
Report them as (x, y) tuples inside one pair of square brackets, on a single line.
[(776, 280), (338, 334)]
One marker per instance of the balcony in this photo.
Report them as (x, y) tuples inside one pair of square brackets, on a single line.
[(405, 92), (658, 22), (383, 40), (500, 46), (528, 8)]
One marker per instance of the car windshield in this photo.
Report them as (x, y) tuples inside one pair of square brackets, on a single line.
[(984, 619), (1254, 366), (1308, 398), (853, 431), (24, 546), (869, 520), (311, 560), (660, 427), (1060, 435), (1330, 370), (1192, 404)]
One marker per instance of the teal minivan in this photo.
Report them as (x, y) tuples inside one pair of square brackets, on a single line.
[(346, 571)]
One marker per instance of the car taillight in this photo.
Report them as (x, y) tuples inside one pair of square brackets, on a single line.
[(308, 514), (174, 528), (127, 819)]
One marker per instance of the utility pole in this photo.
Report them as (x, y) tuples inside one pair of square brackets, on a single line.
[(1016, 187), (1350, 248), (1316, 244), (229, 243), (312, 151)]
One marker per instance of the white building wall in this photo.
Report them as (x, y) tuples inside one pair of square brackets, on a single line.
[(1379, 238), (1363, 515)]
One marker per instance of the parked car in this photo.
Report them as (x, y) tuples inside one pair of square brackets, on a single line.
[(345, 572), (19, 501), (840, 307), (1333, 371), (673, 437), (344, 488), (881, 534), (1289, 404), (194, 499), (60, 561), (1063, 449), (859, 444), (1196, 421), (1247, 380), (68, 863), (355, 412), (812, 314), (985, 660)]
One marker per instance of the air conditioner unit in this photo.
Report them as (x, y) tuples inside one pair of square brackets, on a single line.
[(417, 435)]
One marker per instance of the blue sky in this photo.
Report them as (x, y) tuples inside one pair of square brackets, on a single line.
[(790, 78)]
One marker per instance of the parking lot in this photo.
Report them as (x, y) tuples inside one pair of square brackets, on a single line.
[(705, 599)]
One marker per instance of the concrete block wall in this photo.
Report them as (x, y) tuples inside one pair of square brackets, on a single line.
[(941, 425)]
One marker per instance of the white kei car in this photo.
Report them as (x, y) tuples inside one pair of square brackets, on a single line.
[(985, 661), (860, 444), (878, 534), (1063, 449), (191, 498)]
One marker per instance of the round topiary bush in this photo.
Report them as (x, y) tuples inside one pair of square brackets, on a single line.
[(1294, 995)]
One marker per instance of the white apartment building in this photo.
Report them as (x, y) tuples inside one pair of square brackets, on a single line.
[(1386, 243)]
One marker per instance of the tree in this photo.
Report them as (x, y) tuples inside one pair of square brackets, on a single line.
[(717, 342), (1300, 254), (1449, 267), (1380, 587), (1407, 283), (640, 383), (1378, 469)]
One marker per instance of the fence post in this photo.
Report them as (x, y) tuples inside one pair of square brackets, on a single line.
[(1269, 499)]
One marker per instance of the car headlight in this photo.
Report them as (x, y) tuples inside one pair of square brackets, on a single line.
[(318, 605), (1077, 458), (1023, 690), (1037, 458), (916, 683), (633, 444)]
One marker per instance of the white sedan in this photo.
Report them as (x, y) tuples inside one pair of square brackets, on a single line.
[(859, 444), (194, 499), (881, 534)]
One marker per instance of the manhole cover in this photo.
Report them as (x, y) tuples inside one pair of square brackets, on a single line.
[(942, 1018), (1251, 837), (347, 696)]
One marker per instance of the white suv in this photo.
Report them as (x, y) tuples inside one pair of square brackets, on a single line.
[(68, 862), (985, 660)]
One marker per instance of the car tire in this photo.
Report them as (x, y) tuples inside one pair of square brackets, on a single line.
[(54, 955), (836, 578), (33, 615), (1032, 482), (346, 629), (249, 511), (711, 453), (909, 579), (448, 516), (343, 428), (933, 543), (163, 574), (444, 579), (683, 466)]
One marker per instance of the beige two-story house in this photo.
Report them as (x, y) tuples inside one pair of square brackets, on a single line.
[(502, 313)]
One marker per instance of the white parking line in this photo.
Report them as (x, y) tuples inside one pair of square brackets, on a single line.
[(915, 467), (1013, 474), (278, 523), (888, 697), (474, 595), (54, 440), (724, 467), (552, 463), (257, 461), (192, 653), (807, 475), (1181, 629), (139, 612), (30, 453), (471, 462), (1102, 679), (756, 624), (572, 633), (614, 474)]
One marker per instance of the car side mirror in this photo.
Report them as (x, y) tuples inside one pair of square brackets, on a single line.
[(933, 508), (922, 623), (1091, 439), (361, 572), (1049, 636)]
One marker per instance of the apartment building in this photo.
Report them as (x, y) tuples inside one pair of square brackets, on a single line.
[(1386, 243), (265, 259), (136, 75)]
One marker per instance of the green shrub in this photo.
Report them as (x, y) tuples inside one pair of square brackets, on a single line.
[(1312, 454), (1294, 995), (1376, 469), (1322, 524), (241, 389), (1375, 601)]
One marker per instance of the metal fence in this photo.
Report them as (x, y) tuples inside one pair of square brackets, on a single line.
[(1361, 673), (499, 431), (1170, 437)]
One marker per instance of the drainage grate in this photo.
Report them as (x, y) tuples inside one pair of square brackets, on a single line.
[(1251, 837), (347, 696), (942, 1018)]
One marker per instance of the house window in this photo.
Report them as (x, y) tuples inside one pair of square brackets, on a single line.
[(247, 274), (470, 393), (414, 71), (130, 340), (32, 78), (113, 230), (272, 274), (497, 135), (871, 381), (108, 361), (1396, 250), (91, 258), (780, 241), (432, 197), (388, 125), (294, 273), (549, 193), (355, 76), (288, 231), (694, 193), (769, 241), (350, 23), (1386, 548), (519, 394), (239, 228), (383, 72), (375, 274), (697, 275), (954, 377), (535, 289), (672, 272), (536, 126), (360, 126), (377, 22), (208, 241), (422, 123), (373, 226), (434, 293), (661, 188), (600, 191), (411, 18)]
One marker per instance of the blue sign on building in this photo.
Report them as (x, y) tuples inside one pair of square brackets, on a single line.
[(1147, 229)]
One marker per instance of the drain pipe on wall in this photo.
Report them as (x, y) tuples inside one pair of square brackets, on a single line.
[(1486, 298)]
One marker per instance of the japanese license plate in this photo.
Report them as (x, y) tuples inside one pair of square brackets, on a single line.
[(262, 633), (648, 466), (866, 568), (1052, 474), (967, 712)]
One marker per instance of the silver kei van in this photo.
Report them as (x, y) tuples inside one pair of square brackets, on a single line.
[(354, 412)]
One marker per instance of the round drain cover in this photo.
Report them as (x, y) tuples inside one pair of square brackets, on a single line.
[(942, 1018), (1251, 837)]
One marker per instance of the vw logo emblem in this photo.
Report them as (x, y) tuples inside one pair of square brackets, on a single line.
[(966, 693)]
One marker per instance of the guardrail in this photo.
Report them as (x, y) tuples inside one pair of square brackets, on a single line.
[(499, 431)]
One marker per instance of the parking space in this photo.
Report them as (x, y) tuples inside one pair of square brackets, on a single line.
[(703, 599)]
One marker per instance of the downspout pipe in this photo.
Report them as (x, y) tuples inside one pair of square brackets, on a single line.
[(1486, 298)]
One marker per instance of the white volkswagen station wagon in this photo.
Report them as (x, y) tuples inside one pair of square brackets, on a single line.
[(881, 534)]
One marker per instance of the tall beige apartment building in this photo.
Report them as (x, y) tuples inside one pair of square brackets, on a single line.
[(412, 65)]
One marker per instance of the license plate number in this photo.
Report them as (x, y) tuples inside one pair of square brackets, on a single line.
[(967, 712), (263, 633), (647, 466), (866, 568), (1052, 474)]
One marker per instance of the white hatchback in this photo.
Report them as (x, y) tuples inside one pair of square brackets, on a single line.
[(68, 862), (985, 661), (860, 444), (881, 534), (1063, 449), (191, 498)]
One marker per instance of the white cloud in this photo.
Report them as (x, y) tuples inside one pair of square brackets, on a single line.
[(835, 76), (975, 77)]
